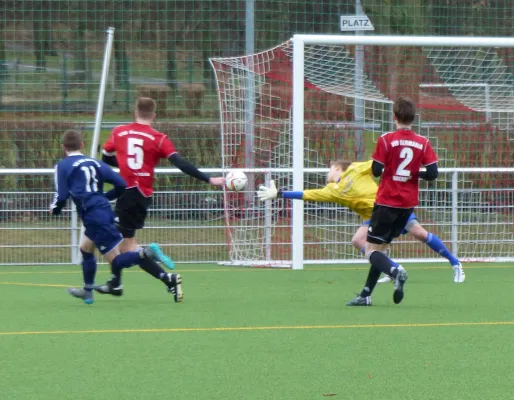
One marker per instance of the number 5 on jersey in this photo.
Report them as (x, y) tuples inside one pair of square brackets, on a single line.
[(135, 154)]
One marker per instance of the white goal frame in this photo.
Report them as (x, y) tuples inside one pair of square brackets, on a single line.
[(299, 42)]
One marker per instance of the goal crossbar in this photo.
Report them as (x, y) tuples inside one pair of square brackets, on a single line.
[(397, 40)]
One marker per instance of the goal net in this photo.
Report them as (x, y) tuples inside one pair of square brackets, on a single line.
[(288, 111)]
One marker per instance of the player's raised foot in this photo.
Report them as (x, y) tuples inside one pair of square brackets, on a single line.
[(174, 283), (154, 252), (360, 301), (458, 273), (109, 288), (399, 281), (83, 294), (385, 279)]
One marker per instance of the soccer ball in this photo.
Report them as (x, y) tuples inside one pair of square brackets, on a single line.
[(236, 180)]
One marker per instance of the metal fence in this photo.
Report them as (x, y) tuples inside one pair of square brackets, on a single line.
[(51, 54), (471, 210), (51, 50), (50, 63)]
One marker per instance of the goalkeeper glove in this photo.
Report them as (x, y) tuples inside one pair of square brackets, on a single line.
[(267, 193)]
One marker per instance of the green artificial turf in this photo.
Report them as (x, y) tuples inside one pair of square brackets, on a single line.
[(258, 334)]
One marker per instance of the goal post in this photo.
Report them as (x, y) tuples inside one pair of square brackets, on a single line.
[(104, 77), (298, 151), (303, 93)]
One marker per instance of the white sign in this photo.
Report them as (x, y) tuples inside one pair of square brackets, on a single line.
[(356, 23)]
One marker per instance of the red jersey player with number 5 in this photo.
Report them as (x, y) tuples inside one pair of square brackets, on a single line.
[(136, 149), (397, 159)]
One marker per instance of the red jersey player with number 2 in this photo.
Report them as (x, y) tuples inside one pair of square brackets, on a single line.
[(136, 149), (397, 159)]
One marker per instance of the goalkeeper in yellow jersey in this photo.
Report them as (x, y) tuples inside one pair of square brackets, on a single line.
[(352, 186)]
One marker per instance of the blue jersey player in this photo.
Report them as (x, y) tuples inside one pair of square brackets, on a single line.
[(82, 178)]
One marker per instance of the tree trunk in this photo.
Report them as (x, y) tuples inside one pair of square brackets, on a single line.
[(3, 59), (396, 71), (121, 61), (38, 35), (207, 31), (168, 14), (80, 45)]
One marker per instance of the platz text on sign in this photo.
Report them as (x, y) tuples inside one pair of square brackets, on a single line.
[(356, 23)]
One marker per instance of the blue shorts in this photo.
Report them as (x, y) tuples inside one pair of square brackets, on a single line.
[(404, 232), (100, 228)]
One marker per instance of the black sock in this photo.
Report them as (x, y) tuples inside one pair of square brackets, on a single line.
[(151, 267), (382, 263), (371, 282)]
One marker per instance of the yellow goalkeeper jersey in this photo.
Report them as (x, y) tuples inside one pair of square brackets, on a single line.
[(356, 190)]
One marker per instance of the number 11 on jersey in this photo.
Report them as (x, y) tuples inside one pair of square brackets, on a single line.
[(91, 180)]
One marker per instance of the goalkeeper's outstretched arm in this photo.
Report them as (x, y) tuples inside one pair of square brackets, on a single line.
[(270, 193), (318, 195)]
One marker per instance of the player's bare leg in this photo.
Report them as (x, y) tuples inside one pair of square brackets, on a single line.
[(128, 244), (359, 242), (87, 249), (432, 241)]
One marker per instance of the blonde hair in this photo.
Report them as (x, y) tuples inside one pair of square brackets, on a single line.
[(343, 164)]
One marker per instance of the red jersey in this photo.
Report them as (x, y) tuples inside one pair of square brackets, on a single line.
[(402, 153), (138, 149)]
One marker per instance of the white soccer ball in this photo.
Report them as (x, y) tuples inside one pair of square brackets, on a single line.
[(236, 180)]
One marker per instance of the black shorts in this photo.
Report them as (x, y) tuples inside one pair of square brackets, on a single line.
[(131, 210), (387, 223)]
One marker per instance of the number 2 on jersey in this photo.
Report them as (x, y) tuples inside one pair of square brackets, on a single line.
[(91, 181), (406, 154), (135, 153)]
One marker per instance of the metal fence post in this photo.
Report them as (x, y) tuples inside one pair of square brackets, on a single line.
[(455, 216), (74, 241)]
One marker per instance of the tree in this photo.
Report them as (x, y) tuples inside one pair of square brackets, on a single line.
[(3, 58), (398, 71), (42, 32)]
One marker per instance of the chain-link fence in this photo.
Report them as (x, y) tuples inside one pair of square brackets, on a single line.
[(51, 59), (51, 51)]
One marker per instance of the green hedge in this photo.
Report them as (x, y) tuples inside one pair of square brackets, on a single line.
[(36, 144), (30, 144)]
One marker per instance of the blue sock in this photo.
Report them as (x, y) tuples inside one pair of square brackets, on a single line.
[(121, 261), (393, 263), (88, 270), (436, 245)]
